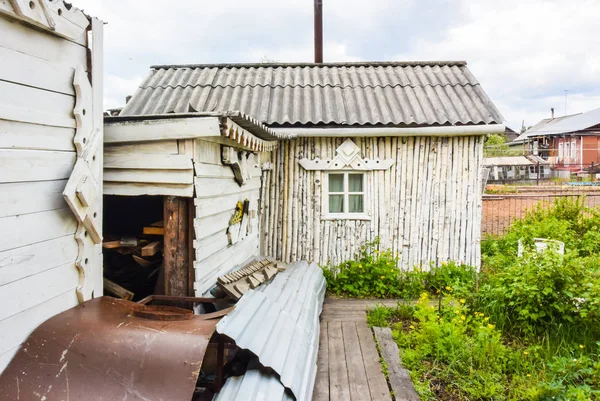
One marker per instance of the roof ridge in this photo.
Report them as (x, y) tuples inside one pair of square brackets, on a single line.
[(459, 63), (310, 86)]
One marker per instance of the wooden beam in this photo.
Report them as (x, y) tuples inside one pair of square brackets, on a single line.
[(160, 129), (153, 231), (176, 253), (151, 249)]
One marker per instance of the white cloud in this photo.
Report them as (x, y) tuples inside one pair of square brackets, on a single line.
[(525, 53), (117, 88)]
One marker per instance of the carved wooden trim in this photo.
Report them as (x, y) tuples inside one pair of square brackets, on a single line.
[(234, 132), (54, 16), (347, 158), (83, 192)]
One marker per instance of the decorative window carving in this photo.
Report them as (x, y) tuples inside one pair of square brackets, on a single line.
[(347, 158), (344, 193)]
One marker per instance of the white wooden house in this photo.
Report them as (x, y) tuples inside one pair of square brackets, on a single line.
[(50, 164), (392, 150)]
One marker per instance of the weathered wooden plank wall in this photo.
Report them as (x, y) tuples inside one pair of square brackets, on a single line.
[(38, 249), (148, 168), (216, 196), (426, 207)]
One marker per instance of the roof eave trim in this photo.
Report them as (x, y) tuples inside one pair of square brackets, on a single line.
[(463, 130), (174, 128)]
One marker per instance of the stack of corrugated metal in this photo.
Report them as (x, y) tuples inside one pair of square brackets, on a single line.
[(279, 323)]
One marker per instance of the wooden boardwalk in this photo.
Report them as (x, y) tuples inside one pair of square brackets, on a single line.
[(348, 367)]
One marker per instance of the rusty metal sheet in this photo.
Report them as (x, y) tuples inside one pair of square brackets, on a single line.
[(100, 350)]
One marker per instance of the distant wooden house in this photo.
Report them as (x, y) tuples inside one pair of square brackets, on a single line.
[(569, 143), (510, 134), (389, 150)]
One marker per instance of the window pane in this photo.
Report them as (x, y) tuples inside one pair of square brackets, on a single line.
[(355, 204), (336, 182), (355, 182), (336, 203)]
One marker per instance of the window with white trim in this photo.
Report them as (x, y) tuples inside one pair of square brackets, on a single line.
[(345, 194), (573, 150), (560, 150)]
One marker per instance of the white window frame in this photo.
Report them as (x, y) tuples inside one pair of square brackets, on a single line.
[(326, 215), (560, 150), (573, 151)]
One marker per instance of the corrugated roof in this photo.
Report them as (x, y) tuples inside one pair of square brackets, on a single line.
[(549, 126), (394, 93), (279, 323), (253, 385)]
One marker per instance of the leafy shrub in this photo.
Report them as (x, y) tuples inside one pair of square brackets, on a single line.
[(542, 293), (375, 274), (372, 274)]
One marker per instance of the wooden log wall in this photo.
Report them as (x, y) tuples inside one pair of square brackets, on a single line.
[(38, 246), (426, 207)]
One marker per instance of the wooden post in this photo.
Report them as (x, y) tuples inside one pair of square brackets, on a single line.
[(176, 254)]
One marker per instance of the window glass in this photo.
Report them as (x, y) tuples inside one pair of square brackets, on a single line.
[(336, 182), (336, 203), (355, 204), (355, 182)]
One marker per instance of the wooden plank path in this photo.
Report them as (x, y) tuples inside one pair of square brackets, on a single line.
[(348, 367)]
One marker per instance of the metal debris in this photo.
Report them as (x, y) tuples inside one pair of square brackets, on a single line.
[(100, 350)]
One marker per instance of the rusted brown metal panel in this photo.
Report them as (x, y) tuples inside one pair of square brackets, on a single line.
[(100, 350)]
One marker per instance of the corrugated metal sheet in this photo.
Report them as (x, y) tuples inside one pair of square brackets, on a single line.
[(549, 126), (430, 93), (254, 385), (279, 323)]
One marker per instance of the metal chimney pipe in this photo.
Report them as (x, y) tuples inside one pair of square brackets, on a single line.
[(318, 31), (552, 110)]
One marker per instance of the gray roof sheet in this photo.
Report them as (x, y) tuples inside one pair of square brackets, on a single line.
[(394, 93), (253, 385), (279, 323), (563, 125)]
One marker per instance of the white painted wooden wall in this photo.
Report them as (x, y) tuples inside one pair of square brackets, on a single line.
[(148, 168), (426, 207), (38, 249), (216, 196)]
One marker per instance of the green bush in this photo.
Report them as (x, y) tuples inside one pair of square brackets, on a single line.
[(543, 293), (375, 274), (371, 274)]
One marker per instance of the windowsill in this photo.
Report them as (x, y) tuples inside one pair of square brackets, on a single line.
[(346, 216)]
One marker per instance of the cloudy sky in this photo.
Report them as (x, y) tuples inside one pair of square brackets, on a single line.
[(525, 53)]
